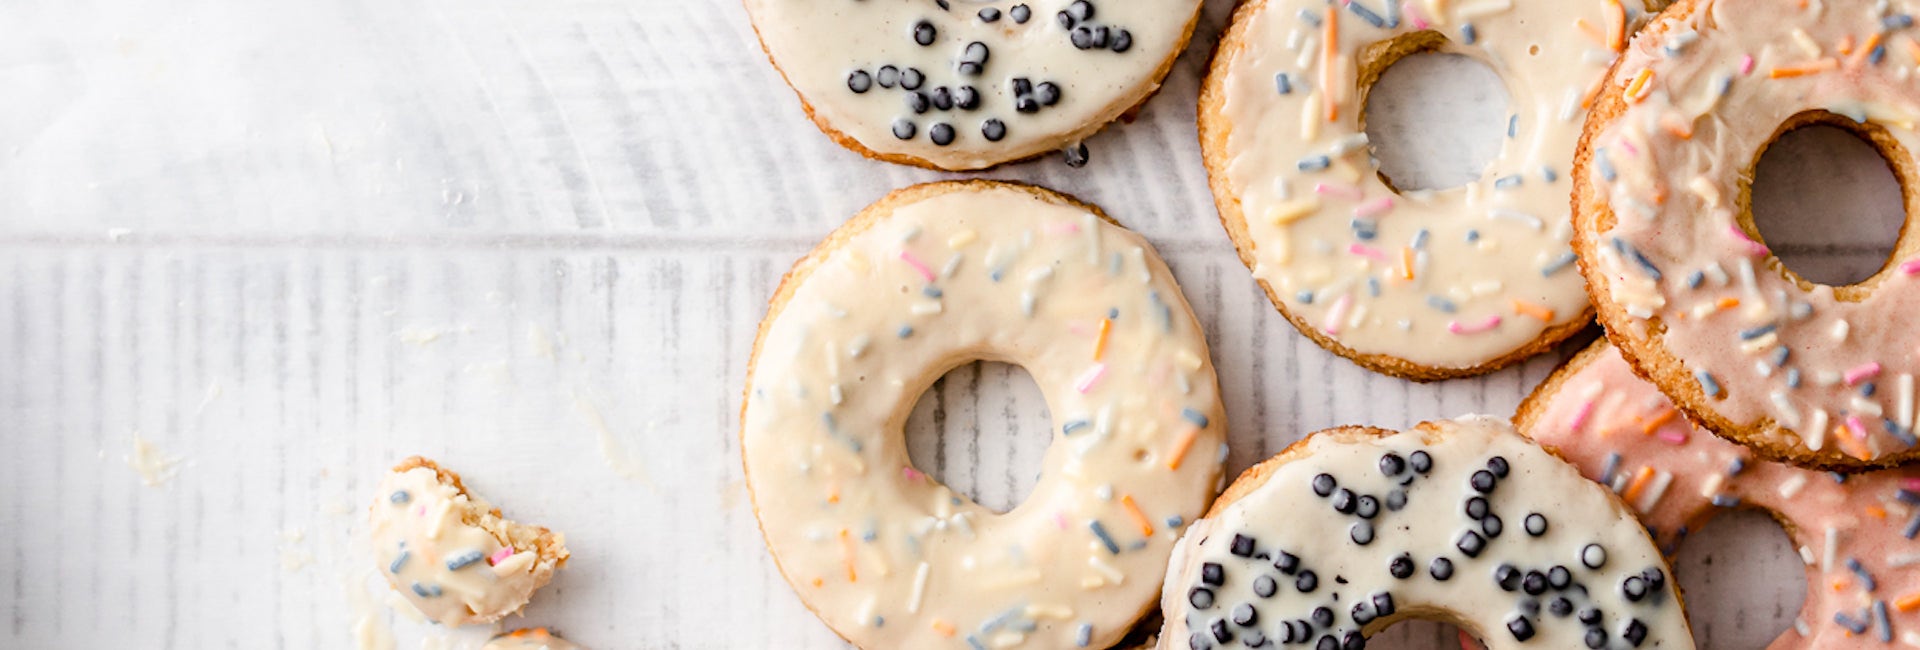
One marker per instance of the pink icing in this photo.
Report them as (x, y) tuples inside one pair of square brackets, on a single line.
[(1602, 409)]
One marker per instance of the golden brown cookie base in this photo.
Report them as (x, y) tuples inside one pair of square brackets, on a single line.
[(549, 547)]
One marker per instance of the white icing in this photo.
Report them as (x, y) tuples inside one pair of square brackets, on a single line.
[(888, 557), (817, 44), (419, 517), (1285, 514)]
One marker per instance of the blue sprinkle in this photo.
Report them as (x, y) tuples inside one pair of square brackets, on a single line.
[(1084, 636), (1373, 286), (1903, 434), (1695, 278), (1897, 21), (1857, 114), (974, 642), (1558, 264), (1513, 125), (1707, 383), (1282, 83), (1725, 501), (1736, 467), (879, 621), (1866, 389), (1365, 229), (1726, 84), (1913, 527), (1101, 532), (1793, 378), (1314, 163), (1310, 17), (1118, 263), (1113, 312), (1909, 497), (461, 561), (931, 291), (426, 591), (399, 496), (1605, 166), (1176, 521), (1197, 418), (1507, 182), (1440, 303), (1780, 355), (1756, 332), (1420, 239), (1631, 253), (1838, 478), (1853, 625), (996, 274), (1880, 621), (399, 562), (1073, 426), (1879, 52), (906, 331), (1613, 465), (997, 622), (1473, 236), (1469, 34), (1548, 174), (1305, 297), (1866, 579), (1366, 14), (869, 534), (1166, 313)]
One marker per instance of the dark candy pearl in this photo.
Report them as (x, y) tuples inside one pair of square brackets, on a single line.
[(1212, 573), (1499, 466), (1362, 533), (1322, 617), (1471, 543), (923, 33), (966, 98), (989, 15), (1047, 93), (859, 81), (1344, 502), (1265, 587), (911, 78), (1286, 563), (1560, 606), (1242, 546), (1593, 556), (1482, 481), (887, 76), (904, 129), (1441, 569), (1200, 598), (1596, 638), (1245, 615), (1536, 524), (1324, 484), (941, 133), (1391, 464), (1307, 582), (1020, 13), (1559, 577), (1396, 500), (1121, 42), (1476, 508), (1636, 632), (1492, 526), (1401, 567), (1521, 628), (1534, 584), (1421, 461), (1507, 577), (993, 130)]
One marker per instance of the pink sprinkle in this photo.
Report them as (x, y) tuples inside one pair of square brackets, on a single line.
[(1467, 642), (1580, 417), (1859, 429), (500, 556), (916, 264), (1063, 228), (1060, 519), (1674, 435), (1339, 191), (1624, 144), (1746, 64), (1088, 378), (911, 473), (1413, 12), (1910, 267), (1491, 322), (1911, 483), (1337, 314), (1374, 208), (1862, 372), (1366, 251), (1753, 247)]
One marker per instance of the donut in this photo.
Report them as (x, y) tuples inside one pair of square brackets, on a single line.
[(1424, 285), (968, 85), (450, 553), (930, 277), (1856, 533), (1353, 529), (1807, 374), (532, 638)]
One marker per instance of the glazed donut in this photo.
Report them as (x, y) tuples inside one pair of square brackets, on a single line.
[(1353, 529), (450, 554), (960, 85), (1808, 374), (1419, 284), (930, 277), (532, 638), (1855, 533)]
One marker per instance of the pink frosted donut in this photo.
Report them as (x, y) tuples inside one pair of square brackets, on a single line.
[(1856, 533)]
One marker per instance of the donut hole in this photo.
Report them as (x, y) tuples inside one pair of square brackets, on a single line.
[(982, 430), (1413, 92), (1416, 634), (1826, 201), (1743, 581)]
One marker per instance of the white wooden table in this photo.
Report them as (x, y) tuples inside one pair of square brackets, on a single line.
[(289, 243)]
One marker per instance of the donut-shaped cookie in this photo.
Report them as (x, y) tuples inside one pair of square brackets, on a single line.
[(1813, 375), (450, 553), (1353, 529), (532, 638), (931, 277), (1856, 535), (957, 85), (1420, 284)]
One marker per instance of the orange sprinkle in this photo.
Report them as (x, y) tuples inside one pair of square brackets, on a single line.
[(1658, 421), (1100, 342), (833, 493), (1329, 55), (1877, 512), (1638, 88), (1616, 26), (1406, 262), (1181, 446), (1854, 448), (1727, 303), (846, 545), (1133, 510), (1675, 126), (1640, 480), (1908, 602), (1524, 308), (1913, 50), (1593, 92), (1599, 37), (1839, 584), (1784, 72), (943, 627), (1845, 45), (817, 582), (1866, 50)]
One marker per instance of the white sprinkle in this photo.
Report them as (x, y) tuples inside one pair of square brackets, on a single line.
[(1800, 627), (1307, 55), (919, 588), (1140, 261), (1597, 56), (1793, 485), (1091, 225), (952, 266), (925, 308), (1806, 556), (1904, 386), (1816, 434), (1711, 486), (1570, 108), (1746, 278), (1310, 118), (1866, 406), (1806, 43), (1903, 561), (960, 239), (835, 394), (1113, 575), (1516, 215), (1705, 190), (1716, 274), (1026, 302), (858, 346), (1840, 328), (1763, 368), (1348, 144), (1789, 415), (1661, 480), (1478, 9), (1833, 548), (1040, 274), (1294, 38)]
